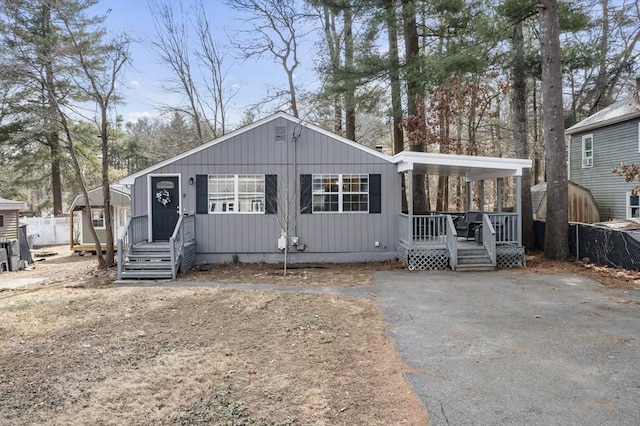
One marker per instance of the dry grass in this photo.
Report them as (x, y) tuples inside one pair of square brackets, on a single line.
[(207, 356)]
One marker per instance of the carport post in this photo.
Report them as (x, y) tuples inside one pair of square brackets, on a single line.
[(482, 195), (468, 197), (499, 195), (519, 207), (410, 205)]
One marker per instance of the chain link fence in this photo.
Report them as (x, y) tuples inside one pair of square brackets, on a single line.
[(599, 245)]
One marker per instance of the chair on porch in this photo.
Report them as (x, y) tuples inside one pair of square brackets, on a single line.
[(466, 227)]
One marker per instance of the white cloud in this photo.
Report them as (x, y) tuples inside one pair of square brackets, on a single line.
[(133, 84)]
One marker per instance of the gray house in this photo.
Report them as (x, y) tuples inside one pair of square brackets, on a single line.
[(600, 142), (280, 183)]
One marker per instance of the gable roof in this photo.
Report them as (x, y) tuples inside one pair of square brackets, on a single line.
[(120, 196), (12, 205), (129, 180), (620, 111)]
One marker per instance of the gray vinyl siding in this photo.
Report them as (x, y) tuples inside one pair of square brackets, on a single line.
[(255, 151), (10, 228), (611, 146)]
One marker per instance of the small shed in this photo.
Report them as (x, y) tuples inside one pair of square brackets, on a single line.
[(582, 205), (10, 233), (9, 214), (81, 239)]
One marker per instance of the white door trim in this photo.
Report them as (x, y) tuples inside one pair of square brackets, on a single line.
[(150, 199)]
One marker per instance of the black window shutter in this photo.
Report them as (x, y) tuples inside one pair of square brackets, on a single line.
[(375, 193), (202, 194), (271, 194), (305, 194)]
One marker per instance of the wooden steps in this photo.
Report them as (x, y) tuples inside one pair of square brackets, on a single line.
[(474, 259), (148, 261)]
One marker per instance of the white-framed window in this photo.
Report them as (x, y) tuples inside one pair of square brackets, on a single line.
[(633, 206), (97, 218), (236, 194), (340, 193), (587, 151)]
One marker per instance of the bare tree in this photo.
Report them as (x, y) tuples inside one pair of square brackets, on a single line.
[(556, 244), (272, 28), (212, 57), (171, 43)]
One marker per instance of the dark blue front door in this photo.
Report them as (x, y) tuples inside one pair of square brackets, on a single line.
[(165, 206)]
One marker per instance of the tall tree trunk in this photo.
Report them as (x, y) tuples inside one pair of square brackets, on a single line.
[(556, 244), (53, 139), (414, 97), (519, 108), (106, 187), (349, 94), (394, 76)]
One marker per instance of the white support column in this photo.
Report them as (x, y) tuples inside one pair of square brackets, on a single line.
[(410, 205), (519, 207), (482, 195), (499, 195)]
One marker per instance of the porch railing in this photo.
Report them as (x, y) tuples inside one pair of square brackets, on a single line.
[(489, 238), (184, 232), (404, 230), (135, 232), (506, 227)]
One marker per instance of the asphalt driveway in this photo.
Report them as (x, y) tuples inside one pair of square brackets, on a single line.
[(519, 348)]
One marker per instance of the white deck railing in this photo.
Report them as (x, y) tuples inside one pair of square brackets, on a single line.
[(506, 226)]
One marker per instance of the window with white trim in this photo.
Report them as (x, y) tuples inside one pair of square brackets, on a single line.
[(587, 151), (97, 218), (236, 194), (633, 206), (340, 193)]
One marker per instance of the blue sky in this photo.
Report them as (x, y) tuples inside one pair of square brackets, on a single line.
[(146, 75)]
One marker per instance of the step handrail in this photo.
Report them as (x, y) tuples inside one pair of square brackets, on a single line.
[(136, 231), (489, 238), (452, 242), (183, 233)]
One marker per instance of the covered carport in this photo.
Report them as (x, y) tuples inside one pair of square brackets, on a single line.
[(425, 240)]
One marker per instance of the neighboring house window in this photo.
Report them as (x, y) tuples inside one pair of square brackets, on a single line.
[(1, 221), (236, 193), (340, 193), (587, 151), (633, 206), (97, 217)]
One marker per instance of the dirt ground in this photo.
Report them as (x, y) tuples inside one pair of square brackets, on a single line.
[(76, 350)]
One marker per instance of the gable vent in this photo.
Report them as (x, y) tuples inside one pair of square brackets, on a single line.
[(281, 133)]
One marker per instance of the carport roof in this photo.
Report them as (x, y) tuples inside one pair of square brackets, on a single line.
[(473, 168)]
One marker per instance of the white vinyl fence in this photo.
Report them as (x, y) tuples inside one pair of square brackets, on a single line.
[(42, 231)]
